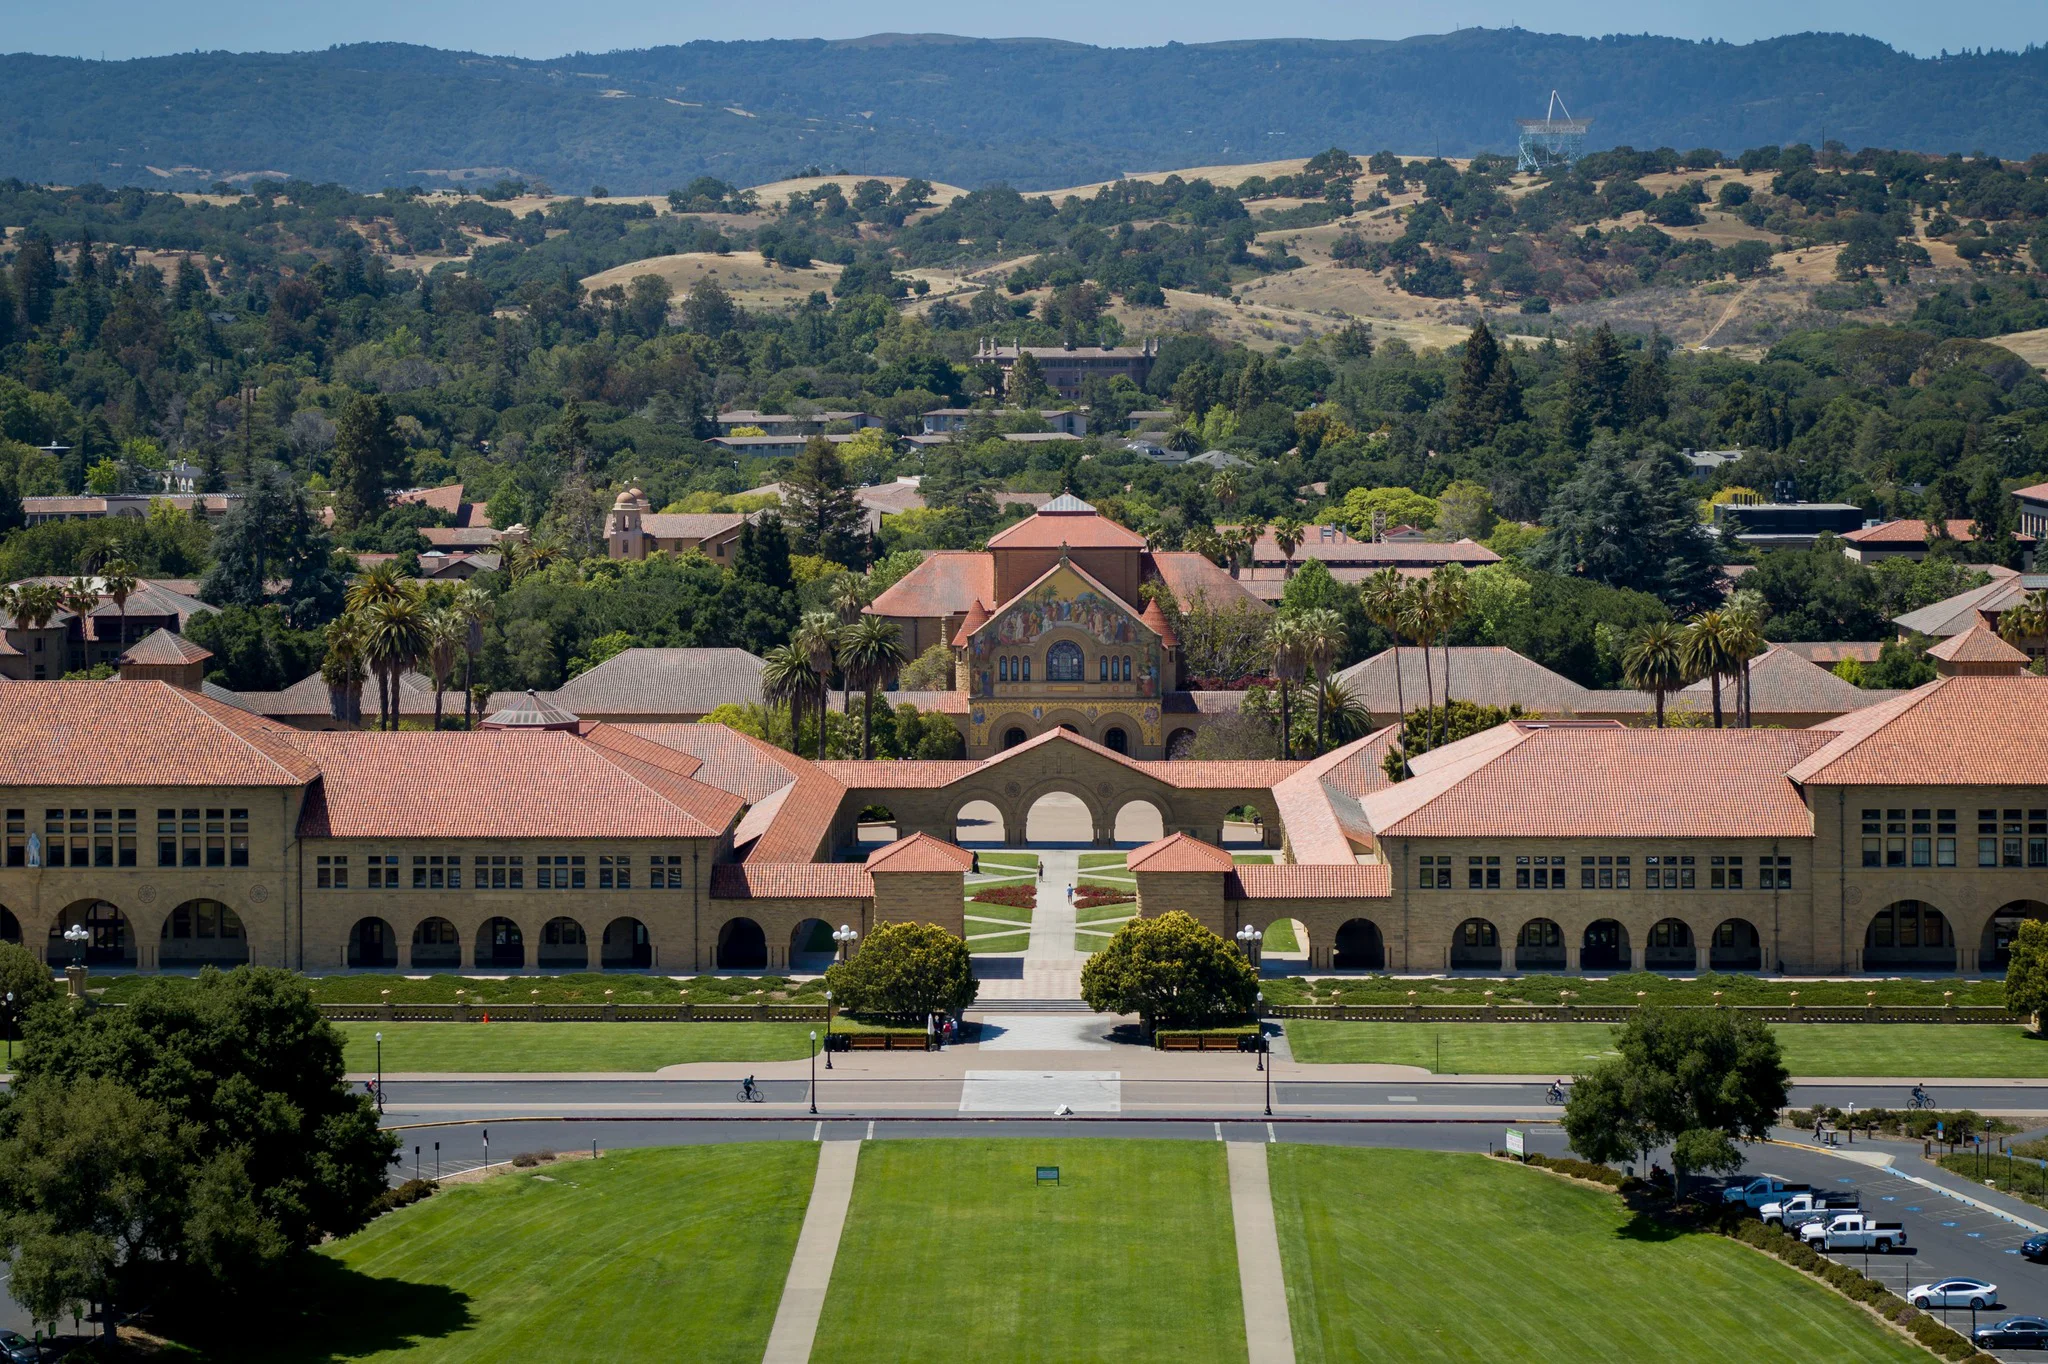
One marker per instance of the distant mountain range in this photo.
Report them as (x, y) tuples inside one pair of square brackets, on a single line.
[(1035, 113)]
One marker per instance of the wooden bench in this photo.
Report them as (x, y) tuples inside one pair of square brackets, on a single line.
[(884, 1041)]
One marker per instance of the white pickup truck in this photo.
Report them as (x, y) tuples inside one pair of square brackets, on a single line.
[(1854, 1231), (1797, 1210)]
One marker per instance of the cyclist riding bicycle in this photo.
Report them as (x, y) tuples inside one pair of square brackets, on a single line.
[(1557, 1091), (747, 1089), (1920, 1097)]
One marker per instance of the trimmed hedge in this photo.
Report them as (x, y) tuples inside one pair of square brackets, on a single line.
[(1917, 1123), (410, 1192), (1577, 1169)]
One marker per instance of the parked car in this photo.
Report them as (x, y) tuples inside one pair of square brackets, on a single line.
[(16, 1348), (2035, 1247), (2014, 1333), (1796, 1211), (1854, 1231), (1954, 1293), (1761, 1190)]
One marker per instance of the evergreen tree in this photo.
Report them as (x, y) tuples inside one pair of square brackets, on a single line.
[(1645, 396), (763, 553), (1470, 424), (1594, 378), (1630, 525), (35, 278), (367, 459), (1026, 384), (824, 516), (271, 535)]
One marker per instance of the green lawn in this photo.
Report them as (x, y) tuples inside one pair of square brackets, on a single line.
[(1280, 937), (1101, 859), (1412, 1255), (1026, 860), (678, 1253), (958, 1255), (1090, 943), (1016, 914), (1089, 914), (570, 1046), (999, 942), (977, 885), (1243, 857), (1975, 1051)]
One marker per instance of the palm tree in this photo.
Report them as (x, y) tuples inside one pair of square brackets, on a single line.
[(447, 633), (2026, 618), (1242, 543), (473, 605), (1418, 618), (382, 585), (1349, 717), (848, 598), (118, 582), (1743, 633), (786, 679), (1382, 597), (1323, 638), (870, 652), (1654, 661), (33, 605), (1707, 653), (80, 597), (1289, 662), (1225, 489), (817, 639), (1287, 534), (1453, 600), (343, 669), (397, 637)]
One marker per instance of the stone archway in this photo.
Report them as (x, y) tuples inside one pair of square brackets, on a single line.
[(563, 945), (1243, 826), (202, 933), (875, 827), (1540, 947), (1909, 935), (626, 946), (1060, 818), (1606, 947), (1140, 821), (1117, 739), (811, 946), (1180, 744), (110, 938), (436, 943), (979, 822), (1286, 943), (1995, 950), (10, 927), (1360, 947), (1736, 946), (371, 945), (1670, 947), (1475, 946), (500, 945), (742, 946)]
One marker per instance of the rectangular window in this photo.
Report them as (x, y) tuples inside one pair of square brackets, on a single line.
[(331, 872), (188, 838), (1944, 852), (614, 873), (1923, 852), (666, 873), (103, 838), (1717, 877), (1895, 852), (1587, 877), (216, 838), (167, 838), (1873, 852), (1871, 819), (1945, 821), (1987, 852), (1621, 877), (1475, 876), (238, 838), (81, 836), (125, 831), (17, 838)]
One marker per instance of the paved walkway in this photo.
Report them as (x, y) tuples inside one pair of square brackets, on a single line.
[(817, 1246), (1268, 1335)]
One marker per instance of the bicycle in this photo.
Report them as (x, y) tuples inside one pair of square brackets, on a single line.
[(1921, 1099), (1556, 1095), (751, 1096)]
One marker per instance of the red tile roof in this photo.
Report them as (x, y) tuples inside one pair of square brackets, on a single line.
[(946, 584), (1571, 781), (926, 774), (977, 616), (1955, 731), (1333, 546), (920, 852), (1782, 682), (1978, 644), (134, 733), (498, 784), (2037, 493), (791, 881), (1079, 530), (1179, 853), (1908, 532), (1289, 881), (1189, 575), (1155, 619), (731, 761), (164, 648)]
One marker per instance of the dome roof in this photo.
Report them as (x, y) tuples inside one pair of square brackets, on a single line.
[(530, 712)]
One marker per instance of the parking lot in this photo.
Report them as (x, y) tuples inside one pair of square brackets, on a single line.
[(1950, 1237)]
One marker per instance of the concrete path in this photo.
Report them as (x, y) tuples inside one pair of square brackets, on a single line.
[(1268, 1336), (817, 1246), (1052, 923)]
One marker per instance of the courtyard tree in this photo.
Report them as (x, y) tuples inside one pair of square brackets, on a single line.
[(2026, 971), (1699, 1080), (905, 970), (1169, 970)]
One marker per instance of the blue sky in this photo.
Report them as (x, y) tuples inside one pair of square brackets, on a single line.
[(544, 28)]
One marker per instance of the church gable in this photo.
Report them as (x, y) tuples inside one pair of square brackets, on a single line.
[(1073, 630)]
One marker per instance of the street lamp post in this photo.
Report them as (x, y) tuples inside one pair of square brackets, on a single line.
[(77, 935), (845, 936), (814, 1072), (380, 1074), (10, 1030), (828, 1029), (1248, 938)]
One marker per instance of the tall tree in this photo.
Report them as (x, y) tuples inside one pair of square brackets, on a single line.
[(1709, 653), (1323, 638), (1472, 421), (270, 536), (817, 639), (1630, 524), (1654, 661), (1595, 375), (870, 655), (1451, 596), (1384, 597), (787, 679), (824, 517), (118, 581), (1290, 660), (366, 461)]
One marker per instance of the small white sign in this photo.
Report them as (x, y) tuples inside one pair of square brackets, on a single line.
[(1515, 1142)]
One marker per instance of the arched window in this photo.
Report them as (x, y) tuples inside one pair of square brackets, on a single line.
[(1063, 662), (1127, 670), (1027, 669), (1102, 668), (1003, 669)]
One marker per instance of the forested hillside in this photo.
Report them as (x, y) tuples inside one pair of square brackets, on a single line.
[(1034, 113)]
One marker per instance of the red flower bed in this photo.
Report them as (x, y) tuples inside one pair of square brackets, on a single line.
[(1021, 897), (1090, 898)]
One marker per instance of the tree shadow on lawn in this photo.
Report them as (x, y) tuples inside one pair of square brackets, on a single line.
[(322, 1312)]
